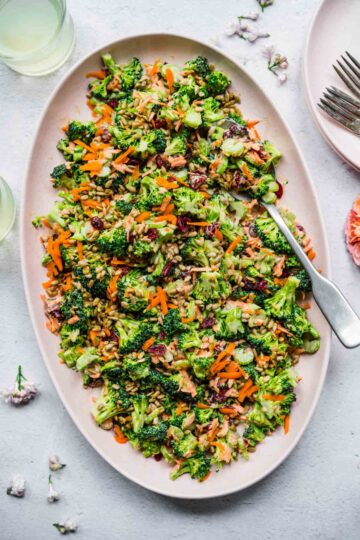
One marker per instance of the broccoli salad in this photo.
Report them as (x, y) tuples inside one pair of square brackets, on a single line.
[(185, 307)]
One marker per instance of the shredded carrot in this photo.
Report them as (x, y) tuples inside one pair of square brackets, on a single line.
[(257, 135), (204, 478), (179, 409), (163, 303), (252, 123), (199, 223), (205, 194), (112, 287), (136, 173), (186, 320), (165, 204), (123, 158), (143, 216), (89, 157), (47, 284), (162, 182), (172, 306), (167, 217), (246, 171), (218, 235), (287, 424), (92, 166), (311, 254), (154, 69), (117, 262), (148, 344), (79, 248), (91, 204), (169, 79), (233, 244), (68, 282), (230, 375), (100, 74), (228, 410), (93, 336), (274, 397), (86, 146), (119, 436), (202, 405), (218, 444)]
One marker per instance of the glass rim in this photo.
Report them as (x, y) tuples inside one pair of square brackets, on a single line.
[(54, 36)]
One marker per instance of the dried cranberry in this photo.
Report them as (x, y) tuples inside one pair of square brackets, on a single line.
[(160, 123), (57, 314), (300, 227), (188, 154), (285, 273), (125, 270), (157, 350), (211, 229), (252, 230), (219, 397), (280, 191), (167, 269), (134, 161), (208, 322), (113, 336), (196, 180), (158, 457), (113, 103), (162, 334), (97, 223), (182, 223), (160, 162), (239, 179), (260, 285), (106, 136), (152, 234)]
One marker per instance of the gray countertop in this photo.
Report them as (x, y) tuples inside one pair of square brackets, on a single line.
[(315, 493)]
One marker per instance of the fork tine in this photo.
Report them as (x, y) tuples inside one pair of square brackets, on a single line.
[(343, 104), (349, 74), (335, 116), (357, 64), (348, 83), (342, 95), (338, 109), (353, 69)]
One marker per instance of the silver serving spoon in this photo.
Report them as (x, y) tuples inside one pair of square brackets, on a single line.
[(334, 306)]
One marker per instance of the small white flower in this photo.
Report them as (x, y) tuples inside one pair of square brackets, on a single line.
[(52, 495), (244, 27), (17, 486), (23, 391), (265, 3), (253, 16), (54, 463), (253, 36), (232, 28), (282, 77), (268, 52), (68, 526)]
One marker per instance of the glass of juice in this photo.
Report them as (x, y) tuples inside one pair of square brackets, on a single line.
[(7, 209), (36, 36)]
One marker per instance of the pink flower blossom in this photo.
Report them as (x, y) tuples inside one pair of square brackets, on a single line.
[(352, 231)]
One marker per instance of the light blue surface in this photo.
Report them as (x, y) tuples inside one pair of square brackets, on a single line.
[(315, 493)]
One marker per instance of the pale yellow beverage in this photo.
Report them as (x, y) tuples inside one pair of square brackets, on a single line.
[(36, 36), (7, 209)]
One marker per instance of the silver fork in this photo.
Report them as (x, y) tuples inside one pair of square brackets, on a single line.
[(333, 304), (350, 74)]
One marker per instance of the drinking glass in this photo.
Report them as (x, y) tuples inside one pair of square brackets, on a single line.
[(36, 36), (7, 209)]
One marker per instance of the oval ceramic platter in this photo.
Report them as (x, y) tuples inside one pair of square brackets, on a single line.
[(68, 102)]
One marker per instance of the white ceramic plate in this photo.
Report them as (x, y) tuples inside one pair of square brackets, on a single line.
[(68, 102), (334, 30)]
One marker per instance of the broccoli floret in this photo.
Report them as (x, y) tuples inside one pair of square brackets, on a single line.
[(98, 88), (282, 383), (150, 194), (195, 251), (203, 416), (211, 286), (211, 112), (231, 232), (133, 291), (152, 143), (73, 153), (305, 281), (281, 305), (143, 249), (217, 83), (73, 306), (96, 286), (54, 216), (113, 241), (113, 371), (153, 433), (109, 403), (192, 118), (139, 413), (188, 201), (70, 256), (129, 74), (186, 446), (229, 325), (84, 131), (137, 368), (266, 189), (270, 235), (189, 339), (254, 435), (177, 145), (275, 155), (251, 370), (200, 365), (132, 333), (169, 384), (304, 335), (200, 65), (266, 343), (125, 205), (123, 138), (62, 177), (71, 336), (172, 323), (197, 466), (70, 356)]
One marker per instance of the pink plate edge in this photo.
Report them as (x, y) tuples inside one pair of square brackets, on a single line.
[(24, 224)]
